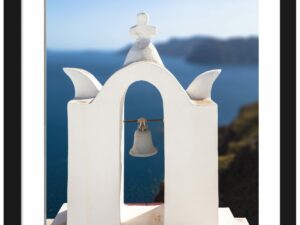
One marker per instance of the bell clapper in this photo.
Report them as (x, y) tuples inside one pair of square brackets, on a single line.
[(142, 124)]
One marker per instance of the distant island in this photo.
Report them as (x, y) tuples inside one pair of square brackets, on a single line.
[(209, 50)]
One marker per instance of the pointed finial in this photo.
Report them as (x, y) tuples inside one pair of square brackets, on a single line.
[(142, 29), (142, 49)]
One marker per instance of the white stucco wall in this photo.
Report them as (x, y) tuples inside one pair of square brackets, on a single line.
[(96, 147)]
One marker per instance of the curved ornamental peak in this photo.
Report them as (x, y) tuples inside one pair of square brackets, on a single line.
[(87, 86), (200, 88)]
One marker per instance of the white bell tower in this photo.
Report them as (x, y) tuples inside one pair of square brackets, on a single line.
[(95, 145)]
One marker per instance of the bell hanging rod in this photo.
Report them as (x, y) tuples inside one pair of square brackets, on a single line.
[(147, 120)]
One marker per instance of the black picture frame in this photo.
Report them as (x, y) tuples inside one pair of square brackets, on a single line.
[(288, 112), (12, 112)]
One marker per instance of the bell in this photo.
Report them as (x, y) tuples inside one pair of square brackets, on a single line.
[(142, 144)]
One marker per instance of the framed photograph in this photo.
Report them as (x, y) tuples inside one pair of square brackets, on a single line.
[(155, 113)]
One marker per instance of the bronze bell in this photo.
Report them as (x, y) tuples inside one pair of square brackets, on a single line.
[(142, 144)]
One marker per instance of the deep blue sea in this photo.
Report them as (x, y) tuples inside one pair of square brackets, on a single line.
[(236, 86)]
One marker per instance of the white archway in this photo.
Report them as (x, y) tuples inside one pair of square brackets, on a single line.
[(95, 143), (142, 176)]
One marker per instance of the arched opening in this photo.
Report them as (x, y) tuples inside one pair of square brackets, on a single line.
[(142, 177)]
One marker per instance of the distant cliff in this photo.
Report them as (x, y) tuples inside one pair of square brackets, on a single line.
[(180, 47), (238, 164), (207, 50), (231, 51)]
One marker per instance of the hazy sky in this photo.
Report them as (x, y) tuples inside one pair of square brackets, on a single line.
[(99, 24)]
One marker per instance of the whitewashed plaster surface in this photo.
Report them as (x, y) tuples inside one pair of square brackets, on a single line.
[(148, 215), (95, 151)]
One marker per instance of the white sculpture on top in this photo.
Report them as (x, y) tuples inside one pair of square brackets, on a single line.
[(142, 49), (96, 145)]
